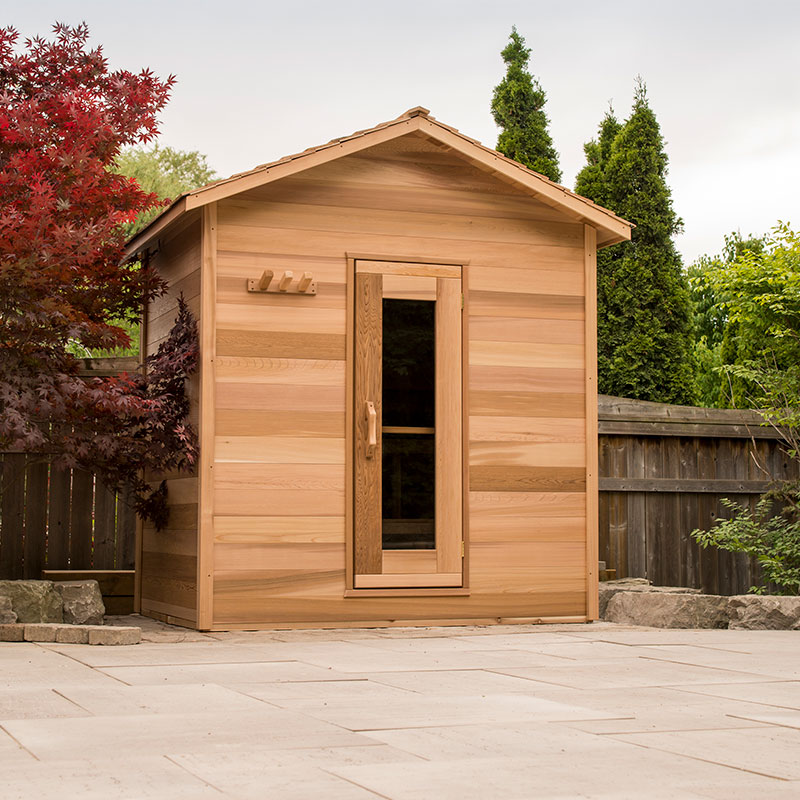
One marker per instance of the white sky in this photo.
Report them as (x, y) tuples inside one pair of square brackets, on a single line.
[(258, 80)]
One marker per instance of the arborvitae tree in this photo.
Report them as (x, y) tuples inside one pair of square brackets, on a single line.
[(591, 180), (517, 107), (643, 307)]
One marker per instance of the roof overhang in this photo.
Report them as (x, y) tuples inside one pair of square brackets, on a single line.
[(610, 228)]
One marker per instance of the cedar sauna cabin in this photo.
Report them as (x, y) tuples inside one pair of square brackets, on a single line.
[(396, 401)]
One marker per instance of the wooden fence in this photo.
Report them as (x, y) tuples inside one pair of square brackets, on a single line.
[(663, 472), (62, 519)]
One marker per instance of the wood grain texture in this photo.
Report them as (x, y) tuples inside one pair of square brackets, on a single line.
[(248, 216), (527, 404), (539, 306), (279, 489), (279, 450), (368, 388), (525, 354), (166, 571), (281, 438), (413, 268), (531, 280), (527, 379), (408, 580), (519, 329), (273, 422), (409, 287), (292, 371), (494, 478), (280, 344), (208, 347), (592, 546), (408, 561), (279, 530), (449, 420), (528, 454), (526, 429)]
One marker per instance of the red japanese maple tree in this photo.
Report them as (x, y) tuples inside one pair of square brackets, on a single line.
[(63, 119)]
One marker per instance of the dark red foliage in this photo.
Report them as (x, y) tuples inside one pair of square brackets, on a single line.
[(63, 119)]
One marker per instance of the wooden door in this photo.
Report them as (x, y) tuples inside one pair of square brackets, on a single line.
[(408, 503)]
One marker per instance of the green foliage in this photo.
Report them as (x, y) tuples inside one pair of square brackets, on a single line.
[(517, 107), (166, 173), (747, 304), (715, 340), (162, 171), (774, 539), (591, 180), (644, 318)]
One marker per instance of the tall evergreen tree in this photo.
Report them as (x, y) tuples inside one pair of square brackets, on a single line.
[(643, 306), (517, 107), (591, 180)]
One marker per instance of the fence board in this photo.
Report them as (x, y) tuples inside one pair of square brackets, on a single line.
[(126, 544), (12, 509), (105, 527), (671, 468), (80, 525), (58, 519), (35, 546)]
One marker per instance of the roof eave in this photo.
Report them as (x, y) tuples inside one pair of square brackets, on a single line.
[(611, 228)]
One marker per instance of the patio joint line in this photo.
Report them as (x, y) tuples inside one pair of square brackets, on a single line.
[(709, 761), (18, 742), (194, 775)]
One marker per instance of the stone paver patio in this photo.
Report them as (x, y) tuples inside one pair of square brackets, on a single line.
[(599, 711)]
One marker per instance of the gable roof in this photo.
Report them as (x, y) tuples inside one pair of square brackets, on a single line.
[(610, 228)]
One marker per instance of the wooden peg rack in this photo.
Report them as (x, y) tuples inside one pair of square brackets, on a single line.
[(283, 283)]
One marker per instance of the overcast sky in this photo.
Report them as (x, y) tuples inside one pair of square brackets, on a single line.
[(259, 80)]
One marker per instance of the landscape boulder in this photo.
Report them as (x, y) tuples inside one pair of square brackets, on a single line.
[(764, 612), (608, 589), (7, 614), (81, 601), (33, 601), (668, 609)]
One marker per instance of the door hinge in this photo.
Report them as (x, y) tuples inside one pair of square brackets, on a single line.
[(462, 549), (462, 301)]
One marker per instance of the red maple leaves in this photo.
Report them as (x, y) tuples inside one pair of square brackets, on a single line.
[(63, 119)]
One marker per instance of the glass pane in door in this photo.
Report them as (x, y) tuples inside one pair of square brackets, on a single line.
[(409, 413)]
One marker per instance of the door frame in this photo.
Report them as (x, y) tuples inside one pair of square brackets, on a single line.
[(350, 590)]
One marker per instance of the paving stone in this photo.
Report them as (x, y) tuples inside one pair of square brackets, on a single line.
[(40, 632), (108, 635), (12, 632), (72, 634)]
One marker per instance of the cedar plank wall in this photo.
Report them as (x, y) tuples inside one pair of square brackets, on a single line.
[(279, 503), (168, 559)]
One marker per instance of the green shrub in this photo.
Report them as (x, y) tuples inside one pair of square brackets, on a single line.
[(772, 538)]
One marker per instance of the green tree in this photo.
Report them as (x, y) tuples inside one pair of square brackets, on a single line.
[(518, 108), (715, 336), (165, 172), (644, 312), (591, 180), (757, 288)]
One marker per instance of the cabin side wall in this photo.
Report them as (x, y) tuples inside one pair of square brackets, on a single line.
[(279, 463), (167, 559)]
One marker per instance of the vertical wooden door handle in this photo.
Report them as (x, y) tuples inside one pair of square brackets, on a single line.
[(372, 428)]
